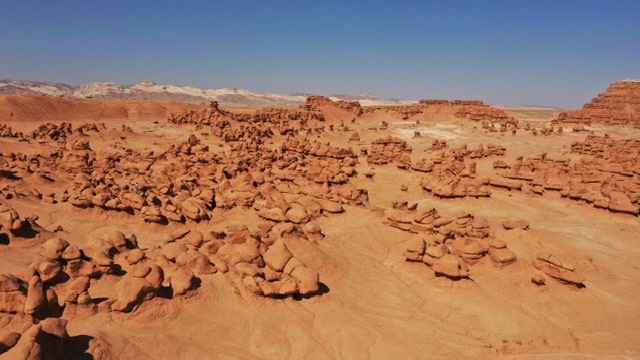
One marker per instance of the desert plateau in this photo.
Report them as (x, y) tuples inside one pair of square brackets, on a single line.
[(324, 229)]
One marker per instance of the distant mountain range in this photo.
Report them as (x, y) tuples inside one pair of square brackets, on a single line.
[(151, 91)]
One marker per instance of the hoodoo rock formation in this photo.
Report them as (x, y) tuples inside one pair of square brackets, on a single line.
[(146, 236)]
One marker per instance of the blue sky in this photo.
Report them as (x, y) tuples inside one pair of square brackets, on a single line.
[(543, 52)]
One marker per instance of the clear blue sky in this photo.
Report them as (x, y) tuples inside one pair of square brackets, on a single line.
[(545, 52)]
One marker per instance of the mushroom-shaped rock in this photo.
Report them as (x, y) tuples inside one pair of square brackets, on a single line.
[(502, 256), (470, 249)]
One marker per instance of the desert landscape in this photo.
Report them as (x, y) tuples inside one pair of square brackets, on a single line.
[(147, 229)]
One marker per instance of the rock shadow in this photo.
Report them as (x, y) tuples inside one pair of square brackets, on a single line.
[(77, 347), (9, 175), (322, 289)]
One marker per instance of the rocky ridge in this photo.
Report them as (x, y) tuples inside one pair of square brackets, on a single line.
[(618, 105)]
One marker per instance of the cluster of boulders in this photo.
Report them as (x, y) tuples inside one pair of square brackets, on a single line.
[(261, 262), (288, 186), (261, 124), (7, 132), (62, 279), (449, 175), (390, 150), (47, 339), (450, 245), (618, 105), (489, 116), (319, 103), (61, 276), (51, 131), (12, 225), (608, 176)]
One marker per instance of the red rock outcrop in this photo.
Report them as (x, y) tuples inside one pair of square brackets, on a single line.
[(448, 175), (451, 245), (317, 103), (390, 150), (560, 268), (608, 176), (618, 105)]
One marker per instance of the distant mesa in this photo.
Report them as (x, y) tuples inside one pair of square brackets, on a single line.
[(618, 105)]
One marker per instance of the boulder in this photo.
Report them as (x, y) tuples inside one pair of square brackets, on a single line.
[(49, 270), (181, 281), (277, 256), (559, 268), (502, 256), (307, 280), (36, 298), (451, 266), (130, 293), (53, 248), (414, 249), (510, 224)]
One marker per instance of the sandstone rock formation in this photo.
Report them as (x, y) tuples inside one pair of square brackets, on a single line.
[(390, 150), (559, 268), (618, 105), (451, 245), (607, 176)]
